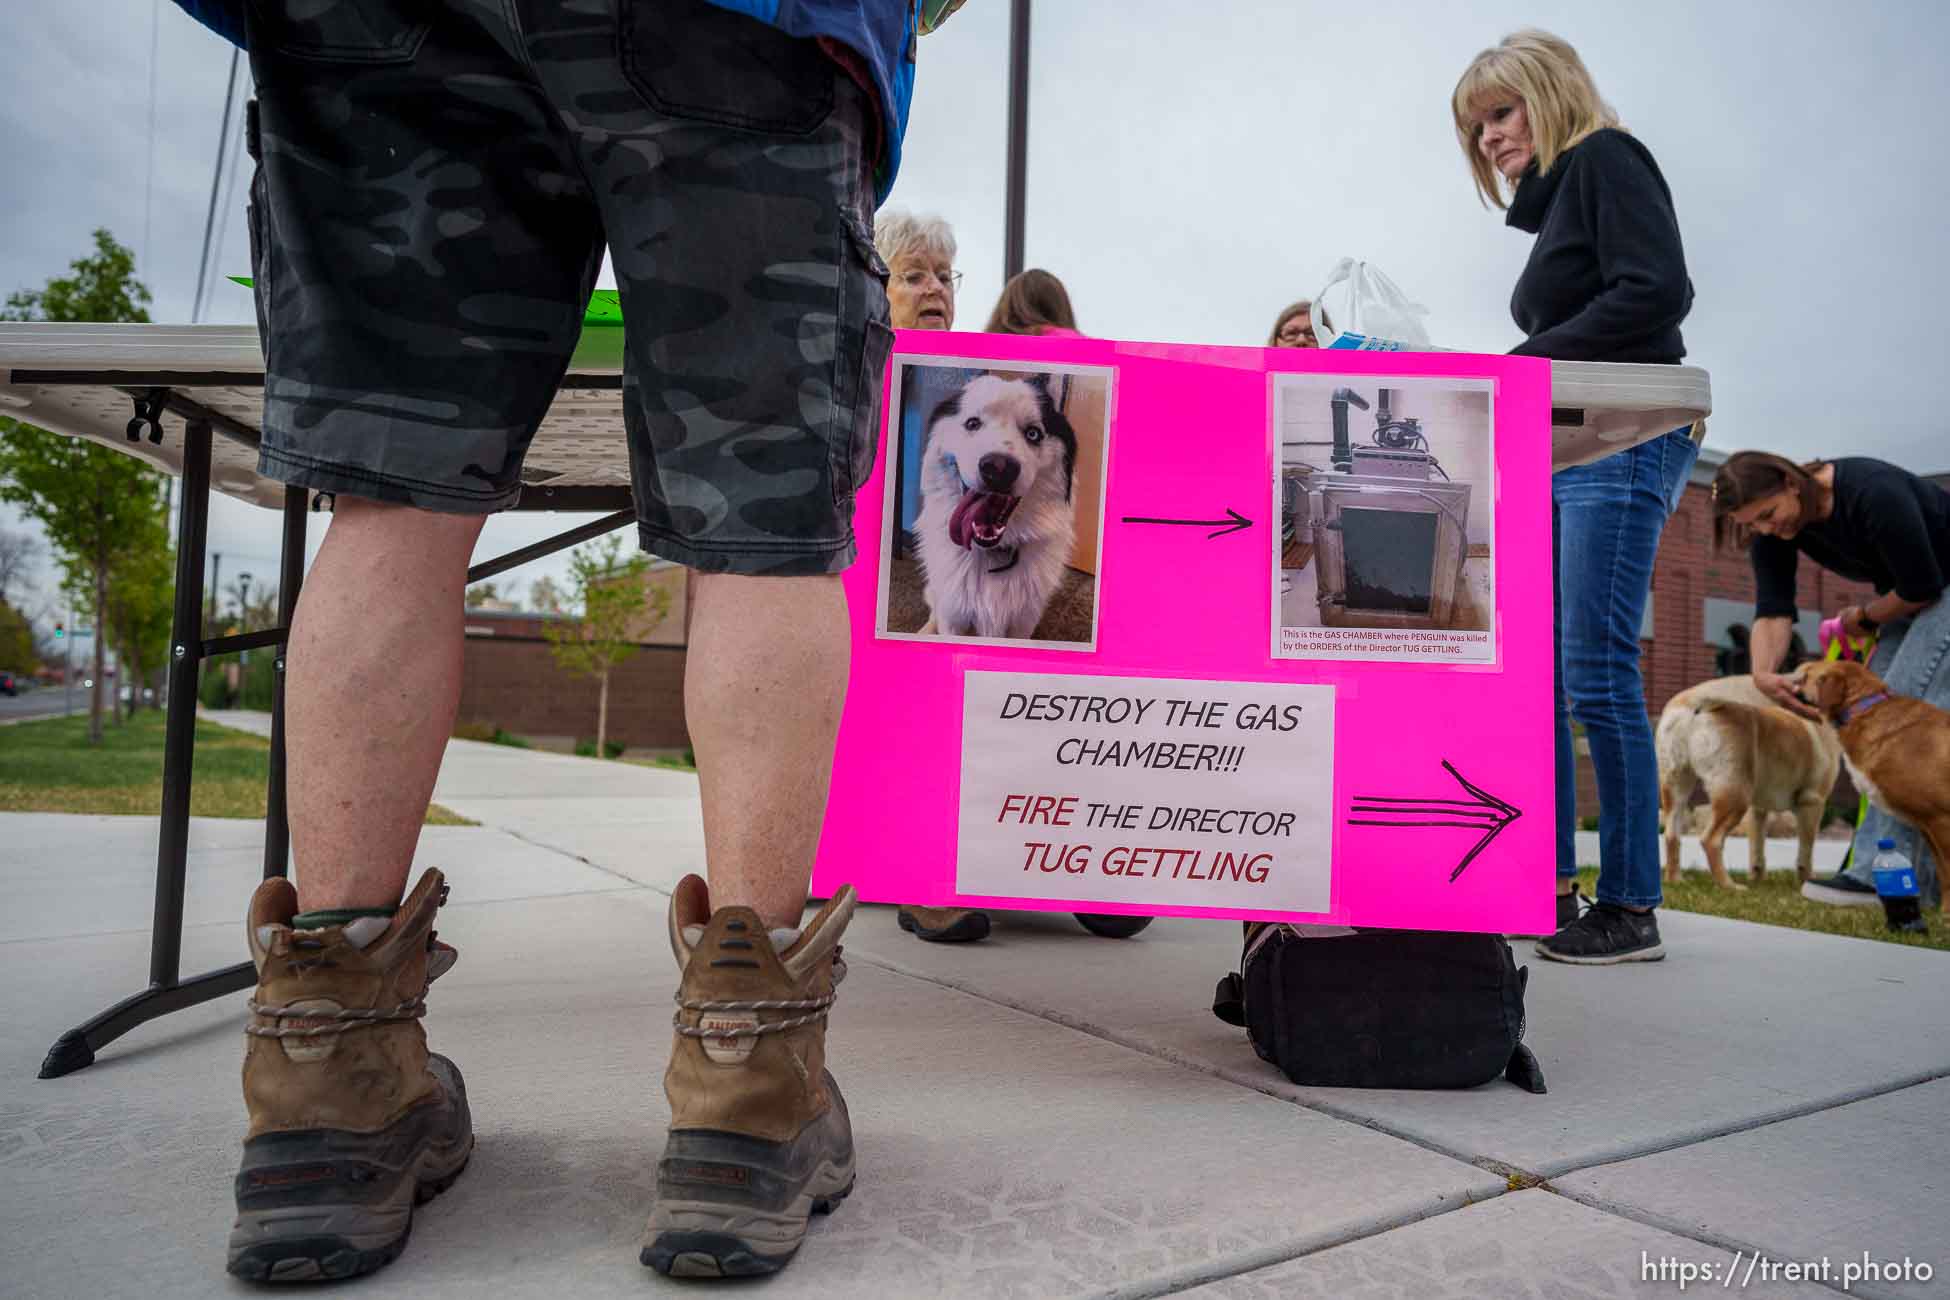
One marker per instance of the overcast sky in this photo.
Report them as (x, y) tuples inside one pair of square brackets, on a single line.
[(1195, 167)]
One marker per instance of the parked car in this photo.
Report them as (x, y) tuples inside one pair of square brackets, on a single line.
[(8, 686)]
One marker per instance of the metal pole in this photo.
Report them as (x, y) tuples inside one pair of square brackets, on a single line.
[(291, 572), (1012, 237), (179, 737)]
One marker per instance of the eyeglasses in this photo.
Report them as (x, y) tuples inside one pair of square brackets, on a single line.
[(916, 277)]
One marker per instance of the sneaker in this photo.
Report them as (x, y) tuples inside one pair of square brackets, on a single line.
[(1605, 935), (759, 1135), (1839, 890), (945, 924), (1569, 906), (352, 1121)]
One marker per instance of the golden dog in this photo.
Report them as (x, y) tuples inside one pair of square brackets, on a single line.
[(1753, 758), (1897, 747)]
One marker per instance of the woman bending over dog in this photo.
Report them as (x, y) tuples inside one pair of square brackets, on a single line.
[(1871, 522)]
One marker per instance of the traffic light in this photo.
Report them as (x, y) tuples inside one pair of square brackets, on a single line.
[(60, 631)]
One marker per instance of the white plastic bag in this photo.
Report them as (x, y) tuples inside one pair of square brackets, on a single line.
[(1372, 313)]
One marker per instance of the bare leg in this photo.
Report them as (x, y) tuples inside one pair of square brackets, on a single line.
[(763, 686), (374, 679)]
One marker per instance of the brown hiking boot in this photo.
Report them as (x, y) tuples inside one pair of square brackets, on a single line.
[(945, 924), (759, 1136), (353, 1122)]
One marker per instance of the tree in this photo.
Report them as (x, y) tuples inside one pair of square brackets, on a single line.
[(616, 612), (544, 597), (89, 500), (141, 605), (17, 654), (102, 288), (251, 607), (480, 594), (17, 551)]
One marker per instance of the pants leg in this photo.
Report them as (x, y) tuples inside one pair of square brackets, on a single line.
[(1610, 516), (1565, 744), (1913, 657)]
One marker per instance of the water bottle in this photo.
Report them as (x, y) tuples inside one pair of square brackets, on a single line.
[(1896, 887)]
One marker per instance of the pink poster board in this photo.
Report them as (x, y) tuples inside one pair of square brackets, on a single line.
[(1431, 808)]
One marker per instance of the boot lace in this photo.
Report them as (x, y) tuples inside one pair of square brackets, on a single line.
[(320, 1022), (816, 1010)]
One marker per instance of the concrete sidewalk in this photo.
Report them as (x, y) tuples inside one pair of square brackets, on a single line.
[(1043, 1114)]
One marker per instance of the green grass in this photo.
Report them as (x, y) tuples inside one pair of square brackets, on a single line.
[(665, 761), (49, 766), (1777, 901)]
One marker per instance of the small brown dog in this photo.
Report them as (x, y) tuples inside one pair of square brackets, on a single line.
[(1897, 747), (1753, 757)]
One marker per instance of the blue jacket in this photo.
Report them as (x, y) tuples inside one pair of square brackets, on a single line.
[(882, 31)]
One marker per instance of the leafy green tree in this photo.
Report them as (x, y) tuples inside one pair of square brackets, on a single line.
[(616, 613), (89, 500), (17, 654), (102, 288), (141, 603)]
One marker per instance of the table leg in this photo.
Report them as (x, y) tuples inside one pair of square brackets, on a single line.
[(166, 992), (291, 565)]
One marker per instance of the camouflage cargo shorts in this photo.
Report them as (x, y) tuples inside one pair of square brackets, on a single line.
[(437, 180)]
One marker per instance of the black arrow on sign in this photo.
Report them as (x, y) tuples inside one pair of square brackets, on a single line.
[(1482, 811), (1232, 523)]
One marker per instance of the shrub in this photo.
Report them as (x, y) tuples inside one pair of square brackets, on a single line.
[(214, 692), (484, 731), (1587, 823), (611, 748), (509, 738), (258, 683)]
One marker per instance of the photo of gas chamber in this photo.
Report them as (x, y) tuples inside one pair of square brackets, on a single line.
[(1383, 524)]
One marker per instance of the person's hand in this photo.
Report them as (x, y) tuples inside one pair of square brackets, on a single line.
[(1779, 688), (1851, 618)]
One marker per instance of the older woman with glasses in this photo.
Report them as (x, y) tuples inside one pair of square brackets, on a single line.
[(921, 285), (922, 280), (1294, 327)]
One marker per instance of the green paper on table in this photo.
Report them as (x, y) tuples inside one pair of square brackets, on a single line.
[(604, 309)]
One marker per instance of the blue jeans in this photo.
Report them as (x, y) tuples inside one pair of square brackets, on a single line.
[(1606, 518), (1913, 657)]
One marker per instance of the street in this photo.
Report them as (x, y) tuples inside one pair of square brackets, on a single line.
[(40, 702)]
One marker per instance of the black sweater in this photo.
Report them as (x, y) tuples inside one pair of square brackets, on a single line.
[(1888, 528), (1606, 280)]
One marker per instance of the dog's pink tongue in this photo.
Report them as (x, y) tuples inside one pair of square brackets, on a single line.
[(958, 522), (980, 518)]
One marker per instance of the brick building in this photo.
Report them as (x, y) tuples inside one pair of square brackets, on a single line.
[(509, 679)]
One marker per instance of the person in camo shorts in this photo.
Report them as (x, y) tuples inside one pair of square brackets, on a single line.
[(436, 185)]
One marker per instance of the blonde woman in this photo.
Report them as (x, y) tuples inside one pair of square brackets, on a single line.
[(1606, 281)]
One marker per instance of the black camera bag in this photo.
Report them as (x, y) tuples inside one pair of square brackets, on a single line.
[(1382, 1008)]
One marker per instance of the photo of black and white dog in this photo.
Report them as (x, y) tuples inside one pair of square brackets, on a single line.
[(997, 523)]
